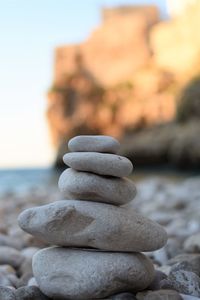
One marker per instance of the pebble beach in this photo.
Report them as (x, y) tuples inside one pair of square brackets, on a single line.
[(174, 205)]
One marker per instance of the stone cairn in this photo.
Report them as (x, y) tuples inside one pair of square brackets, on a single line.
[(98, 240)]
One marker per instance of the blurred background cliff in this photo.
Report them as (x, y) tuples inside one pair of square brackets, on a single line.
[(126, 68), (136, 78)]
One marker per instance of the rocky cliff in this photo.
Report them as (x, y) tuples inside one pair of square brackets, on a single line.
[(115, 50), (125, 76)]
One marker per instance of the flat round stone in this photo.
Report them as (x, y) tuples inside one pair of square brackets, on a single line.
[(99, 163), (92, 224), (64, 273), (88, 186), (94, 143)]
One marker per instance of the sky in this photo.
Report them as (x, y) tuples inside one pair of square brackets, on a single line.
[(29, 32)]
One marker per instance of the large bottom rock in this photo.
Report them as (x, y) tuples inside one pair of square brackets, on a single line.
[(64, 273)]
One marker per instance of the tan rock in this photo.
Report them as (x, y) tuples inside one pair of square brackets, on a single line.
[(122, 54), (176, 43)]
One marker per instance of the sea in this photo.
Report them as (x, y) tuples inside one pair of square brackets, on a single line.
[(22, 181)]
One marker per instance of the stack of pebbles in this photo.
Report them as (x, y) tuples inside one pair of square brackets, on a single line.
[(98, 241)]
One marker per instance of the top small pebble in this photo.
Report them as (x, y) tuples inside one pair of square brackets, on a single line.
[(94, 143)]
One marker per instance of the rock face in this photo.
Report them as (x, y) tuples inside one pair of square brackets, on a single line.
[(110, 83), (116, 84), (122, 54), (108, 238), (178, 36), (172, 143)]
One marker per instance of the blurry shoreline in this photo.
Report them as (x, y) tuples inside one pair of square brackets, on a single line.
[(22, 181), (25, 181)]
